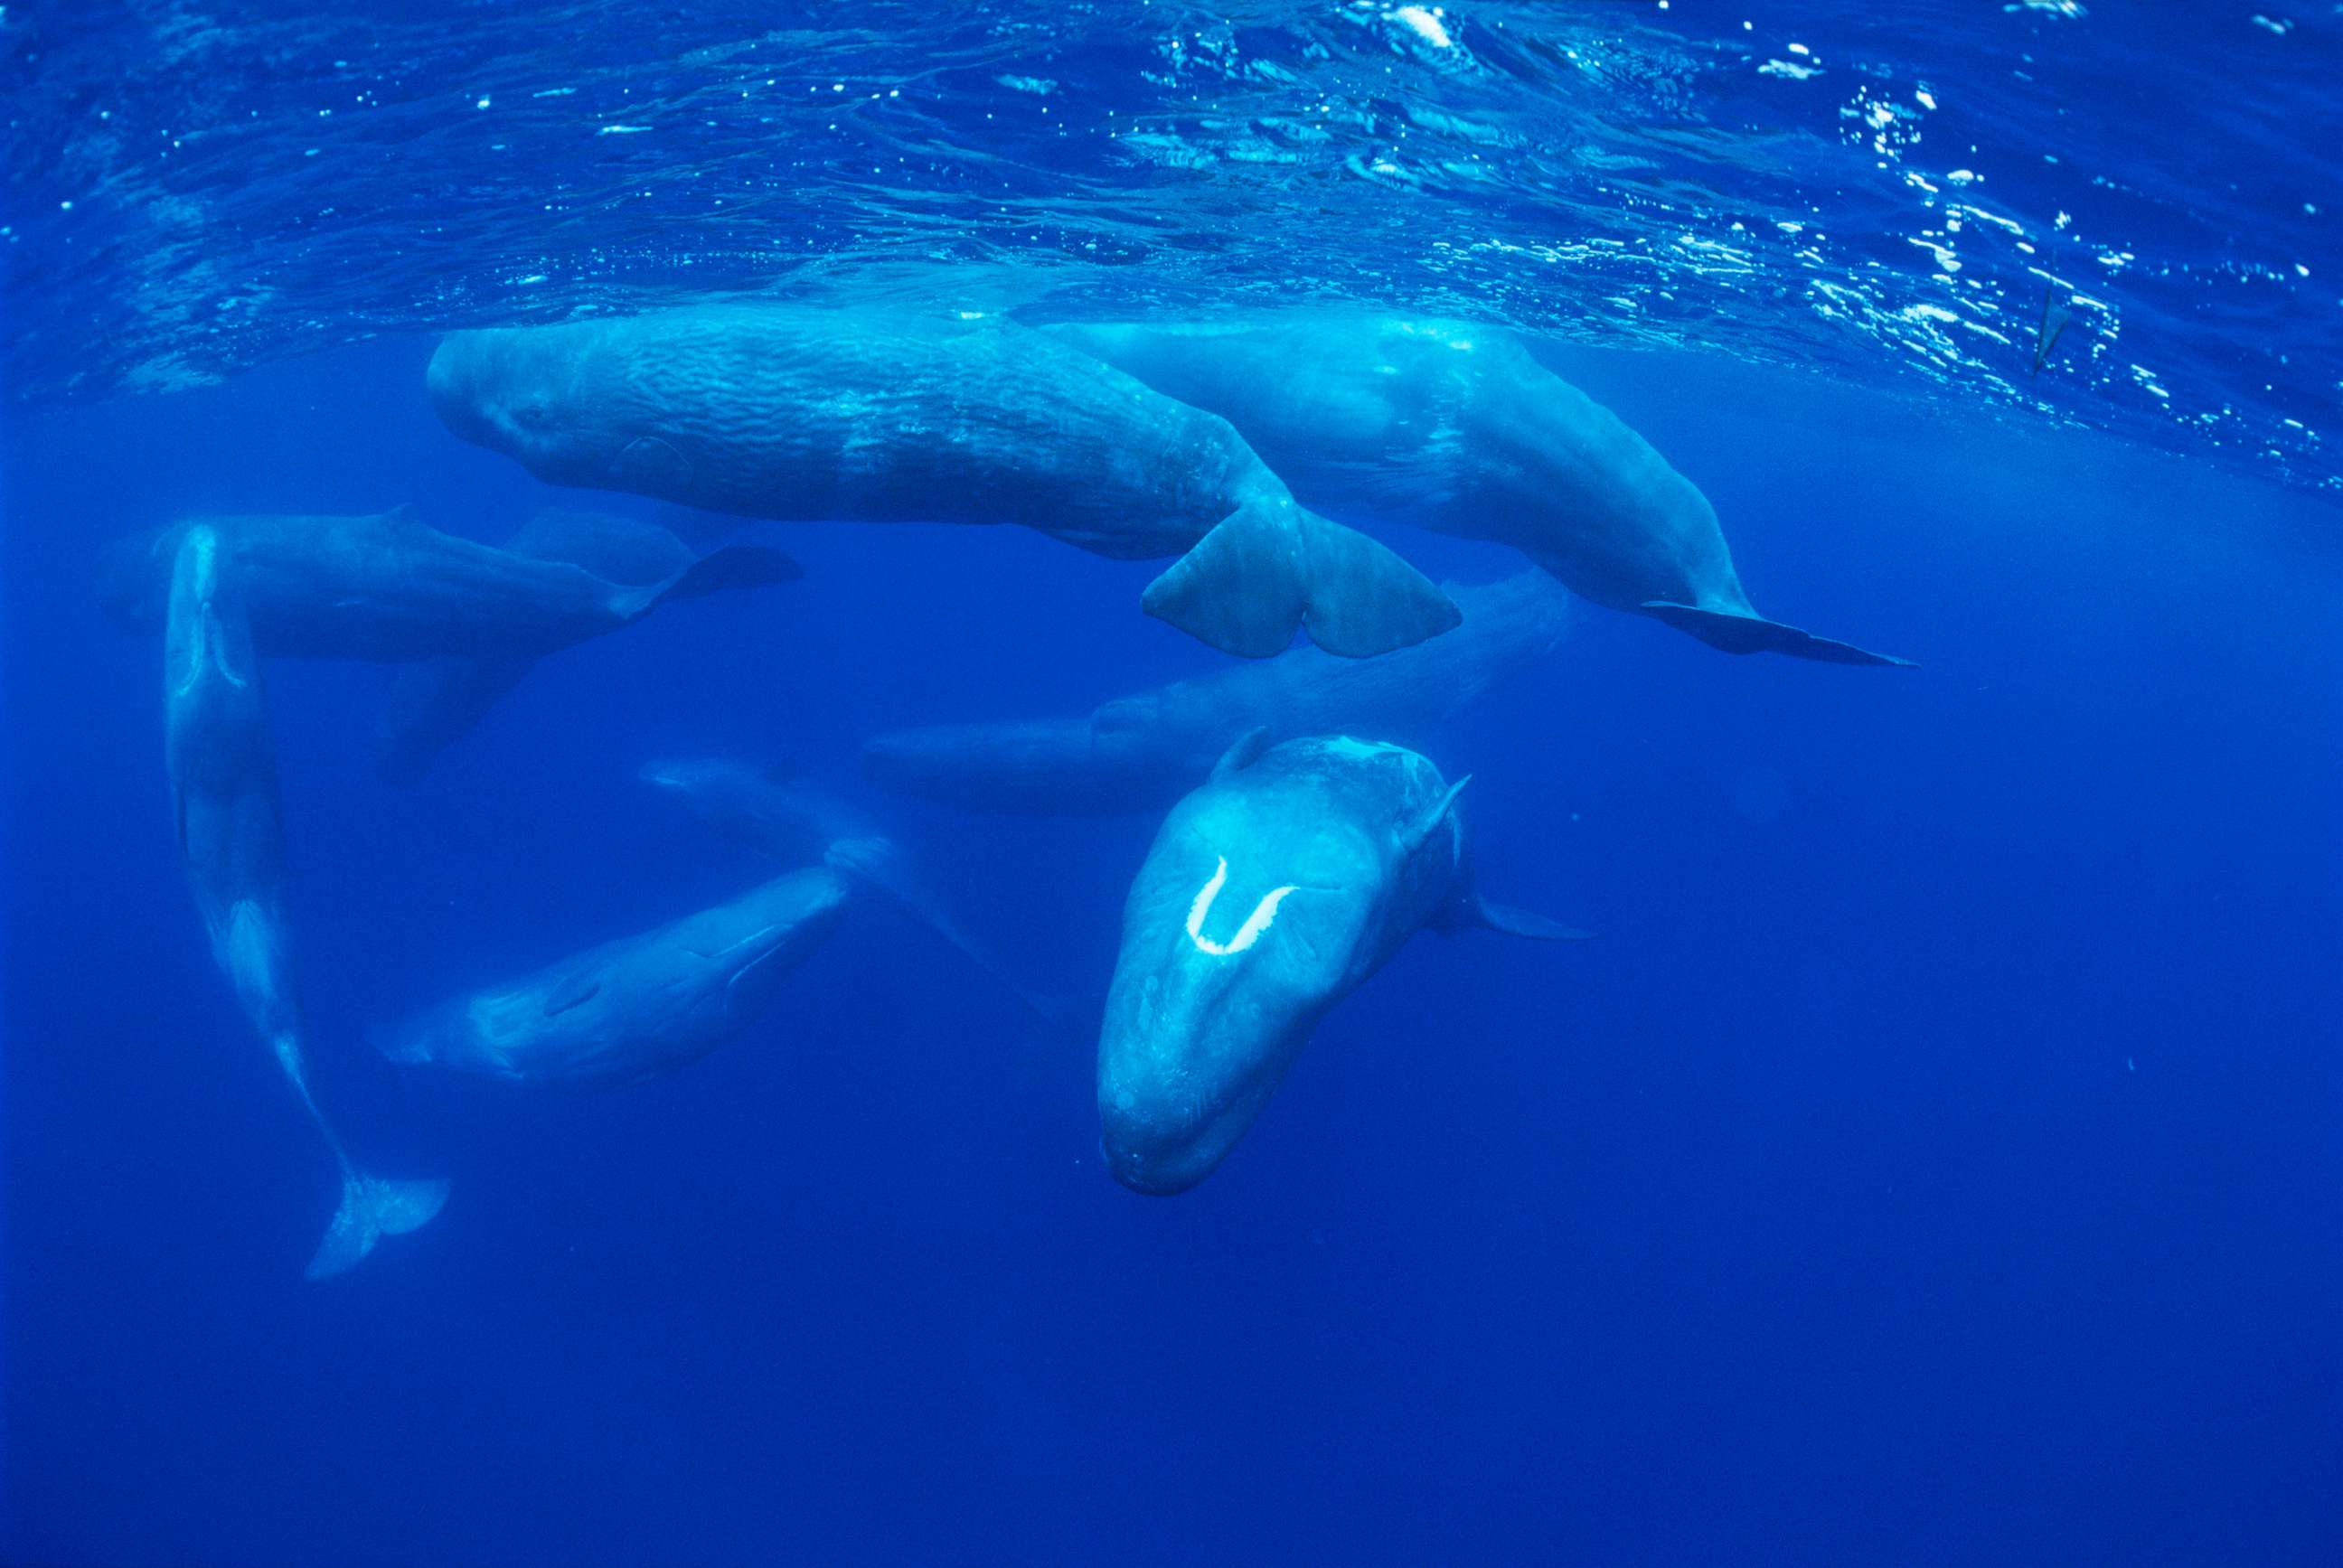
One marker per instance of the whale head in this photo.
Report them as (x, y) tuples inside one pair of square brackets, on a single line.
[(1258, 910), (550, 398), (758, 940)]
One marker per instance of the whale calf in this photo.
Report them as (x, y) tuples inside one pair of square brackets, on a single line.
[(1272, 891), (775, 812), (1142, 751), (388, 588), (1458, 428), (637, 1008), (440, 701), (224, 796), (803, 414)]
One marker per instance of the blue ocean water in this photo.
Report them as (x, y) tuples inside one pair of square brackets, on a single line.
[(1937, 1158)]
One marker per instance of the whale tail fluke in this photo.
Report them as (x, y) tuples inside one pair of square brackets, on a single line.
[(372, 1207), (1754, 634), (733, 567), (1269, 568)]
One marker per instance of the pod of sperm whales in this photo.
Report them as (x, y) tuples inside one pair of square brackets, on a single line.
[(637, 1008), (437, 703), (775, 812), (1141, 751), (802, 414), (1273, 892), (1458, 428), (223, 775), (390, 589)]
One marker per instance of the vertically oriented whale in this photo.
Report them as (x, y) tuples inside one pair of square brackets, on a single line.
[(224, 793), (1273, 892), (637, 1008), (1143, 750), (1457, 427), (804, 413)]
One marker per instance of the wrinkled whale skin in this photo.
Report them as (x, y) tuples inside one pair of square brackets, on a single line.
[(1457, 427), (802, 414)]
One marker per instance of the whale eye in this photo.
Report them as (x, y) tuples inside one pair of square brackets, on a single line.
[(532, 413)]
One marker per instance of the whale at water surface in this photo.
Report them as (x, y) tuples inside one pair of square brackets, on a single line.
[(1457, 427), (637, 1007), (1273, 892), (1141, 751), (804, 413)]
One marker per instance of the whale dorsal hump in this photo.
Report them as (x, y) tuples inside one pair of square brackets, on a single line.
[(1242, 753), (1425, 826), (576, 989)]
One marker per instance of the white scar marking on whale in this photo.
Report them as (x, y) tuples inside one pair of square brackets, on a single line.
[(1264, 913)]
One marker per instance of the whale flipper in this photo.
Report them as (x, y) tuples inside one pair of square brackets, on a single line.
[(1516, 922), (1268, 569), (734, 566), (372, 1207), (1754, 634), (880, 862)]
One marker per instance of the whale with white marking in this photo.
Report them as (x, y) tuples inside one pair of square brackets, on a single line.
[(1273, 892)]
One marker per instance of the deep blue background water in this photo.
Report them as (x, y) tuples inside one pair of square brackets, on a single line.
[(1939, 1159)]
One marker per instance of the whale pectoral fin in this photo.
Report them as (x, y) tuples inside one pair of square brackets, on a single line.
[(574, 991), (733, 567), (1754, 634), (1521, 922), (651, 466), (1424, 827), (1270, 569), (1243, 753)]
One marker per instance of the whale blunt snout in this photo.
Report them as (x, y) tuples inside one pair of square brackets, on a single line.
[(1148, 1155), (484, 385)]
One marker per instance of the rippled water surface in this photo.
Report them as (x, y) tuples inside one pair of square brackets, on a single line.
[(1886, 193)]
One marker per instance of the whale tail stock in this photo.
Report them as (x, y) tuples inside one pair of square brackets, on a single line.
[(733, 567), (1754, 634), (1271, 567), (372, 1207)]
